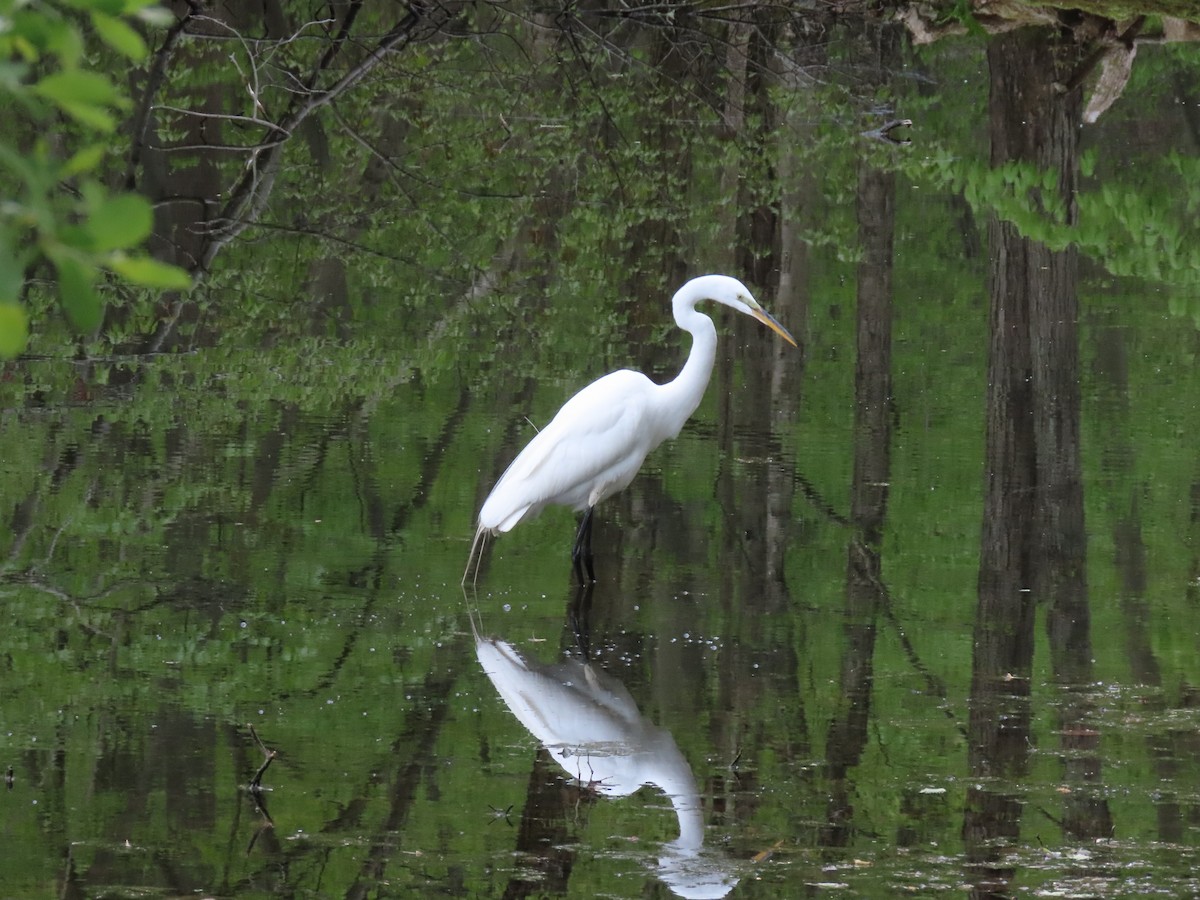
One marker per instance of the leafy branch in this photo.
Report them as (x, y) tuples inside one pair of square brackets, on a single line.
[(250, 193), (65, 117)]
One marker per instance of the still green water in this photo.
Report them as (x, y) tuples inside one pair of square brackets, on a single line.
[(848, 636)]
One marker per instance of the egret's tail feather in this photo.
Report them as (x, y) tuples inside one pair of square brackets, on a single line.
[(480, 544)]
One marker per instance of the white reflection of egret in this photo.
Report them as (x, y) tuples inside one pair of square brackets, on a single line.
[(595, 445), (592, 728)]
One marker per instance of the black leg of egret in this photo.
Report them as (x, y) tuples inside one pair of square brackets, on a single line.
[(581, 553), (587, 550), (579, 615)]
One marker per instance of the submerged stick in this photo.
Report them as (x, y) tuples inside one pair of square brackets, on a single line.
[(268, 755)]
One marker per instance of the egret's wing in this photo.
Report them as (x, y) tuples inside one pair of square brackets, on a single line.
[(597, 438)]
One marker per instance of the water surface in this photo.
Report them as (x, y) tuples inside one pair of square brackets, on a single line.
[(909, 610)]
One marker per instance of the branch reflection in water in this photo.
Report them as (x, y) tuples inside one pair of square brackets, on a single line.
[(590, 725)]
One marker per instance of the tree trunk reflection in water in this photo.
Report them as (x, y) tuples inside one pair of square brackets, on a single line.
[(1032, 542), (771, 392), (755, 484), (412, 753), (544, 842), (873, 414), (1119, 455)]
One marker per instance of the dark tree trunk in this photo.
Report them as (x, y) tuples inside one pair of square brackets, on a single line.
[(1033, 547)]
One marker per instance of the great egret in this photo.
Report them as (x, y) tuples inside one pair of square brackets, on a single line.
[(598, 440)]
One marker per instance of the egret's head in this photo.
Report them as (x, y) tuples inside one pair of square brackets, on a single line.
[(731, 292)]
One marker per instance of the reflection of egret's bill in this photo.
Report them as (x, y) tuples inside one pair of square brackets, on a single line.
[(590, 724)]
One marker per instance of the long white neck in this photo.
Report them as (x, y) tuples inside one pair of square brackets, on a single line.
[(684, 394)]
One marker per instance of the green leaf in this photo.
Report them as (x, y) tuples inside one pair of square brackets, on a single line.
[(79, 297), (82, 161), (149, 272), (12, 275), (22, 165), (34, 33), (112, 7), (92, 116), (1087, 162), (12, 76), (120, 222), (120, 36), (14, 330), (84, 96), (156, 15), (78, 86)]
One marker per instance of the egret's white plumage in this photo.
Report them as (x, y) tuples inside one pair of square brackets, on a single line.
[(600, 437)]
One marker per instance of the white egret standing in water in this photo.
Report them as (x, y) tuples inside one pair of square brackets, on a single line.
[(598, 440)]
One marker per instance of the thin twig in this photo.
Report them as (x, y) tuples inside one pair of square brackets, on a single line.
[(268, 755), (155, 78), (249, 195)]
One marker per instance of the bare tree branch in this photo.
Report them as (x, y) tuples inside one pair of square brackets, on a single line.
[(249, 195), (154, 82)]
